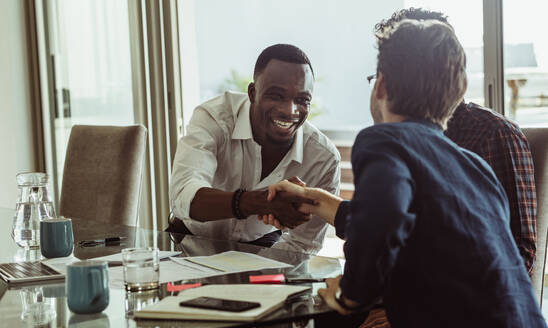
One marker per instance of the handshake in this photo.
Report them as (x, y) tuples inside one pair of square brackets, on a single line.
[(289, 203)]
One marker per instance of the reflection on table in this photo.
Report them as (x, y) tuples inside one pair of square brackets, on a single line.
[(45, 304)]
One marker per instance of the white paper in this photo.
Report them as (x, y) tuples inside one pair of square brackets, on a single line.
[(234, 261), (194, 268), (188, 268), (59, 264), (169, 271), (117, 258)]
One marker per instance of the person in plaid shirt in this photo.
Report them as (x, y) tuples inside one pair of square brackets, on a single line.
[(504, 147)]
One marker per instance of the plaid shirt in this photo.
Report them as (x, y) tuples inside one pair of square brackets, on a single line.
[(504, 147)]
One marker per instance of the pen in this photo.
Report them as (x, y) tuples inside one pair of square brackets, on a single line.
[(280, 279), (107, 241), (303, 280)]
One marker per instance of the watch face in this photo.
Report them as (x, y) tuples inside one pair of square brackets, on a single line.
[(338, 294)]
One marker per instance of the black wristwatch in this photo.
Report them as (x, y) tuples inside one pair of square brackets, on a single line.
[(341, 302)]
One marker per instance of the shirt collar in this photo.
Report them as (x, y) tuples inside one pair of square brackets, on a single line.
[(425, 122), (296, 151), (242, 131), (242, 128)]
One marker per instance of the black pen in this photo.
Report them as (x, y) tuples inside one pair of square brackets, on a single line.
[(107, 242), (303, 280)]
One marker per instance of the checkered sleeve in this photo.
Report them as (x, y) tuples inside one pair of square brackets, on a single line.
[(507, 152)]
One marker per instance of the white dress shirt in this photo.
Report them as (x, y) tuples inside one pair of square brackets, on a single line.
[(218, 151)]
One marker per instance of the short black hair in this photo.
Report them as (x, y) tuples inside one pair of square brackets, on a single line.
[(284, 52), (410, 13)]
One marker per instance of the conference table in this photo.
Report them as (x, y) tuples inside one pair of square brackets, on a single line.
[(45, 304)]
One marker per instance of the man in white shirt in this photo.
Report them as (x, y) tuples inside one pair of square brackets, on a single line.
[(237, 145)]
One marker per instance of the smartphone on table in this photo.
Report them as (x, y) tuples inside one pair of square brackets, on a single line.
[(220, 304)]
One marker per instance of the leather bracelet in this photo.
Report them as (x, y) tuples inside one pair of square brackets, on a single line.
[(236, 197)]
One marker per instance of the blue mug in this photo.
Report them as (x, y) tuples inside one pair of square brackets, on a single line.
[(87, 286), (56, 239)]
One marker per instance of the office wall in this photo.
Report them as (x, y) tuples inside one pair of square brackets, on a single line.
[(16, 137)]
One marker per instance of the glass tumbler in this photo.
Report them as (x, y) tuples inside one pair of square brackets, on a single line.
[(141, 268)]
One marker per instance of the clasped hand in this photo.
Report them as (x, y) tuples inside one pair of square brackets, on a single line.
[(294, 191)]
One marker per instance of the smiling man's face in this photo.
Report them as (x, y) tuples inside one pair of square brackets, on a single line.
[(280, 101)]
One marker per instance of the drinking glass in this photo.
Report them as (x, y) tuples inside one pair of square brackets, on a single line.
[(36, 310), (141, 268), (136, 301), (34, 204)]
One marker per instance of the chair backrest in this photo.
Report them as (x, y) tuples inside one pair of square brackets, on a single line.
[(102, 174), (538, 141)]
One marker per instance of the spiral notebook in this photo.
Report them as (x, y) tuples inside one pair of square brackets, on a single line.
[(22, 272)]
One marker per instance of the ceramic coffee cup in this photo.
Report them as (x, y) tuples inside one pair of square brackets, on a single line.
[(87, 286), (56, 239)]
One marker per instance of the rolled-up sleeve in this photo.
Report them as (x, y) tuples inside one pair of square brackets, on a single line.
[(379, 221), (195, 161)]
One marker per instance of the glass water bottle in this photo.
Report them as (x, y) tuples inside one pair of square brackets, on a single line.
[(33, 205)]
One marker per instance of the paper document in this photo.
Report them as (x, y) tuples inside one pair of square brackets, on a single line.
[(271, 297), (60, 263), (169, 271), (234, 261), (198, 267), (117, 258)]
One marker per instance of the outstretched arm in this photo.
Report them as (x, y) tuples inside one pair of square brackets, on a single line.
[(212, 204), (194, 167), (324, 204)]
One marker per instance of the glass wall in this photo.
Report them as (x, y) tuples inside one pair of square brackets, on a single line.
[(219, 48), (337, 37), (526, 61), (93, 73), (466, 17)]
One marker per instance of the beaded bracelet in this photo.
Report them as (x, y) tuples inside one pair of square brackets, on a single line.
[(236, 204)]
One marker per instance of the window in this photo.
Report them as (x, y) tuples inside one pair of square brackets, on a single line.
[(219, 49), (466, 17), (93, 77), (526, 62)]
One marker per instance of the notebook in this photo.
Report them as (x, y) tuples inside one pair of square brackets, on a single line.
[(271, 297), (22, 272)]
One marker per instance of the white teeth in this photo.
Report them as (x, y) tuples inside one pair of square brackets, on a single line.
[(283, 124)]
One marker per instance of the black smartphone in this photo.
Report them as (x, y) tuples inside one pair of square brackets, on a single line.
[(220, 304)]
